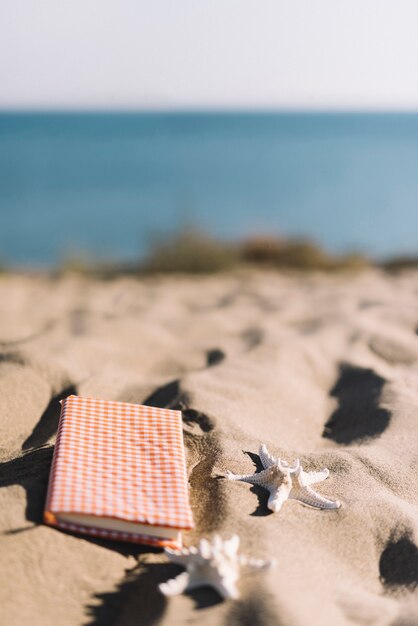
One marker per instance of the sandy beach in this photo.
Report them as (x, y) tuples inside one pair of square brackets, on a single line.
[(319, 367)]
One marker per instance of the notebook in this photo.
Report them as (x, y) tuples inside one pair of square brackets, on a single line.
[(119, 472)]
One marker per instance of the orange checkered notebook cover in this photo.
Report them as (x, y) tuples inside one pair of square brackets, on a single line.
[(119, 472)]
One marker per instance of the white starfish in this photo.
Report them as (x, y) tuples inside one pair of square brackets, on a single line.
[(285, 482), (215, 563)]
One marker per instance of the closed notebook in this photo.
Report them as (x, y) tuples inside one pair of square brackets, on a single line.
[(119, 472)]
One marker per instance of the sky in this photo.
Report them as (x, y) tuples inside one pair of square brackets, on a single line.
[(209, 54)]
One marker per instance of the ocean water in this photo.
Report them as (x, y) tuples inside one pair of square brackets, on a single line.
[(106, 184)]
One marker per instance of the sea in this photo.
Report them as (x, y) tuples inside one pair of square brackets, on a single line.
[(108, 185)]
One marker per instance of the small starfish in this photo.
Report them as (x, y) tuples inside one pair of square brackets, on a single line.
[(215, 563), (287, 482)]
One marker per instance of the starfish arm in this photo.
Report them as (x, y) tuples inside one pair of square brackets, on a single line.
[(257, 563), (266, 458), (226, 589), (309, 497), (205, 548), (231, 546), (261, 478), (175, 586), (278, 497), (311, 478), (180, 557)]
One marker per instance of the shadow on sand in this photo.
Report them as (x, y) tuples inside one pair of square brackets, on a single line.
[(48, 422), (137, 600), (358, 415), (398, 564)]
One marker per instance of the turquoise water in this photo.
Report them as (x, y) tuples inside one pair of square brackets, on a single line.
[(106, 183)]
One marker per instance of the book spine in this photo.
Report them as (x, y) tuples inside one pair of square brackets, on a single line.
[(49, 516)]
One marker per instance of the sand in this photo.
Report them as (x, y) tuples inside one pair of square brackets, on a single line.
[(319, 367)]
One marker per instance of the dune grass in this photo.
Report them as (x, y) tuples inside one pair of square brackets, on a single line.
[(295, 254), (400, 263), (298, 254), (193, 251), (190, 251)]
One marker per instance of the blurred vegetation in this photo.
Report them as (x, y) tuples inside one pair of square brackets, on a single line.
[(77, 262), (300, 254), (4, 267), (84, 264), (295, 254), (400, 263), (191, 250)]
